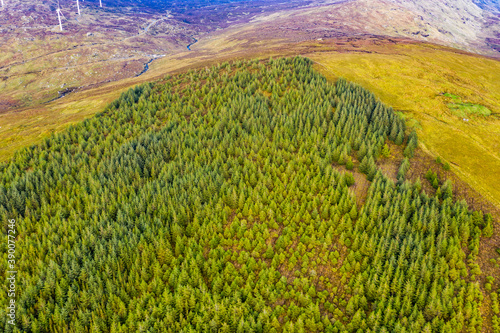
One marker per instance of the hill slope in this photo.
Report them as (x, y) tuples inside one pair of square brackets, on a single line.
[(415, 80), (39, 63), (491, 5), (460, 24), (231, 198)]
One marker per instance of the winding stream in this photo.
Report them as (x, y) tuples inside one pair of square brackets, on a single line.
[(189, 45), (146, 67)]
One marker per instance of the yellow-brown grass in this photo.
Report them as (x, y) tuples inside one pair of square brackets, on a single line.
[(411, 78)]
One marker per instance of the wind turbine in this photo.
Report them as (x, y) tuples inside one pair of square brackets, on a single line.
[(78, 5), (58, 10), (4, 4), (59, 13), (100, 3)]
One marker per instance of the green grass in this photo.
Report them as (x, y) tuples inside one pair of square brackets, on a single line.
[(461, 109), (452, 96), (466, 109)]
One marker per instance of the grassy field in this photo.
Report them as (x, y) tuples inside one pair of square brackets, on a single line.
[(420, 80)]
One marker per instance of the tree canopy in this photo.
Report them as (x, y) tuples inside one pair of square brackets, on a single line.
[(214, 201)]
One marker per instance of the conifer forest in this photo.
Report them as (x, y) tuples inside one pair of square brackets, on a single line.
[(223, 200)]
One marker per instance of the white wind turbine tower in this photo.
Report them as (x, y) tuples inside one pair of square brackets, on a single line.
[(58, 10), (78, 5), (4, 4), (100, 3)]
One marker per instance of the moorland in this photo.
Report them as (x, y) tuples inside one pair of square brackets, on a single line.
[(392, 233)]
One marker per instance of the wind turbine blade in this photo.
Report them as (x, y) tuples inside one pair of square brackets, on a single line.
[(62, 14), (59, 17)]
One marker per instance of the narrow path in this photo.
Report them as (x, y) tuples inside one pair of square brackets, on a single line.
[(152, 23)]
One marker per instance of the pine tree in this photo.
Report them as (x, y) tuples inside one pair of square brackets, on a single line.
[(385, 151)]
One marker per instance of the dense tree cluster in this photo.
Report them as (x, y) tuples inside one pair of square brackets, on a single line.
[(212, 201), (417, 279)]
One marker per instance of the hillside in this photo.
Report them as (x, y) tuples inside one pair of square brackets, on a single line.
[(245, 196), (161, 181), (418, 80), (39, 63), (459, 24)]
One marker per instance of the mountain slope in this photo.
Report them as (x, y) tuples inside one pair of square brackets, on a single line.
[(38, 63), (414, 79), (234, 198), (460, 24)]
